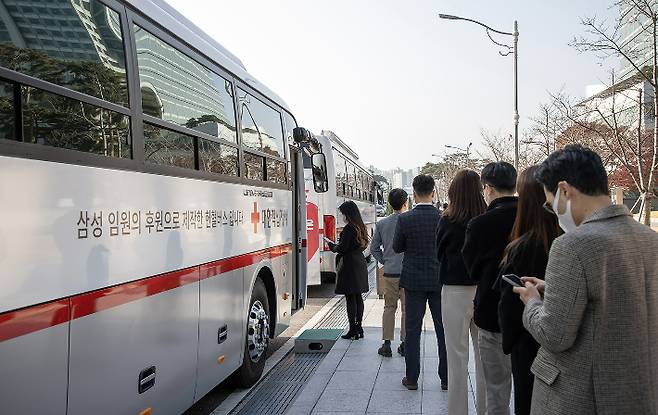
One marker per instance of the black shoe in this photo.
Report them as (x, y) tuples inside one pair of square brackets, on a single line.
[(351, 334), (401, 349), (444, 386), (407, 384), (359, 331), (385, 350)]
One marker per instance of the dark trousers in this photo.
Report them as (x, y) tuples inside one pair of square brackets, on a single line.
[(523, 354), (415, 312), (354, 304)]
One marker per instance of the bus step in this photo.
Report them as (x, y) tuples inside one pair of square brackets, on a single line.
[(317, 340)]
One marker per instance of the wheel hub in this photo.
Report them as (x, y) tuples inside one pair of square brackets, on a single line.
[(257, 331)]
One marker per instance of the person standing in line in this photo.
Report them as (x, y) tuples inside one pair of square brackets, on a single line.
[(486, 238), (415, 236), (382, 249), (533, 233), (597, 322), (351, 267), (458, 292)]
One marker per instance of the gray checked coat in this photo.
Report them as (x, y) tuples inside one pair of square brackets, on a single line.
[(598, 322)]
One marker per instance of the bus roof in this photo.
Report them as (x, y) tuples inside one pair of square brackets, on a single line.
[(330, 139), (173, 21), (340, 143)]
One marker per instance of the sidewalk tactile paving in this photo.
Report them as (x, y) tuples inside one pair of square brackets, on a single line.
[(362, 382)]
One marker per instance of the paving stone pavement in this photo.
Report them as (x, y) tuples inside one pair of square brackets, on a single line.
[(354, 379)]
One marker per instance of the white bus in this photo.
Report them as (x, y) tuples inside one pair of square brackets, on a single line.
[(348, 179), (152, 205)]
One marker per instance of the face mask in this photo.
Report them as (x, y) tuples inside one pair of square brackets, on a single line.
[(565, 219)]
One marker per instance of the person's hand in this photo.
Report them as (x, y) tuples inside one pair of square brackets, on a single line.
[(540, 284), (528, 292)]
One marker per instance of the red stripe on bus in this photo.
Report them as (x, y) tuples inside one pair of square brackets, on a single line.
[(85, 304), (27, 320), (20, 322), (231, 264)]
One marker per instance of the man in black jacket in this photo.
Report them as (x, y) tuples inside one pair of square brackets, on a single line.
[(415, 235), (486, 238)]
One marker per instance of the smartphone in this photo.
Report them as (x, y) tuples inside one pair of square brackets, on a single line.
[(513, 280), (328, 240)]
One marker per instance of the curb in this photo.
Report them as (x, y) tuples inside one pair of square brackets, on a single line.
[(234, 399)]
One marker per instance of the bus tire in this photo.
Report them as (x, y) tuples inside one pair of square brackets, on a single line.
[(256, 338)]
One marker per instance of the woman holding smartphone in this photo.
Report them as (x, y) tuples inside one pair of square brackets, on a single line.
[(458, 292), (351, 267), (534, 230)]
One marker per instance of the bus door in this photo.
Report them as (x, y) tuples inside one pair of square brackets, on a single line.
[(299, 227), (313, 231)]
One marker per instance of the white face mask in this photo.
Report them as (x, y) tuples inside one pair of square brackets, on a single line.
[(565, 219)]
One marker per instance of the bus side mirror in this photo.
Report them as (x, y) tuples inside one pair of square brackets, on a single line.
[(320, 179), (303, 136)]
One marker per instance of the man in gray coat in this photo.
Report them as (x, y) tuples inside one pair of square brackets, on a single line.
[(381, 248), (597, 322)]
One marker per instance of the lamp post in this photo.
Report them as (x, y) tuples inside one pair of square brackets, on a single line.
[(509, 49), (466, 151)]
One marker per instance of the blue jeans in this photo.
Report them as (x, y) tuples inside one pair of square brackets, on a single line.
[(415, 312)]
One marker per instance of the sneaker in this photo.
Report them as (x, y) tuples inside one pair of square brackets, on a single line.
[(407, 384), (401, 349), (385, 350)]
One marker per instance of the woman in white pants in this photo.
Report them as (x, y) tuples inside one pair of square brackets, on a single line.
[(466, 202)]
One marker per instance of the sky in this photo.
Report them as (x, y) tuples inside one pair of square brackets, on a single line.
[(393, 80)]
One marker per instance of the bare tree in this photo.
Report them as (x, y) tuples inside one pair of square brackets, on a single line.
[(628, 146), (544, 129), (498, 146)]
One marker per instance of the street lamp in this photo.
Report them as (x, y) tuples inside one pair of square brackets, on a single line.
[(467, 150), (509, 49)]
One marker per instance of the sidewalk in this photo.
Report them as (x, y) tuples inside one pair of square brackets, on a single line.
[(354, 379)]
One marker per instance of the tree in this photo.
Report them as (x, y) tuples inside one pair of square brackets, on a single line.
[(629, 146), (500, 147)]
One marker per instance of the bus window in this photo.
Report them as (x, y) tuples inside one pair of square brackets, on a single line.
[(168, 147), (351, 179), (261, 126), (276, 171), (254, 167), (7, 112), (339, 163), (218, 158), (178, 89), (306, 157), (57, 121), (81, 49), (359, 184)]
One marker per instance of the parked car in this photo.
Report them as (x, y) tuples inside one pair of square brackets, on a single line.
[(381, 211)]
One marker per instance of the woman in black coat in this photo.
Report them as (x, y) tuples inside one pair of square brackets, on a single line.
[(534, 230), (351, 267)]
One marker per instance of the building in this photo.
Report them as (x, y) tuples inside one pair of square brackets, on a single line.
[(635, 37), (82, 30)]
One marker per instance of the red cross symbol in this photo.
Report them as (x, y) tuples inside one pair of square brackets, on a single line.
[(255, 217)]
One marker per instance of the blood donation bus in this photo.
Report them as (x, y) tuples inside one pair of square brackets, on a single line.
[(152, 204), (348, 179)]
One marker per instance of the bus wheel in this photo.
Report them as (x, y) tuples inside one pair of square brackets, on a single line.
[(257, 338)]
